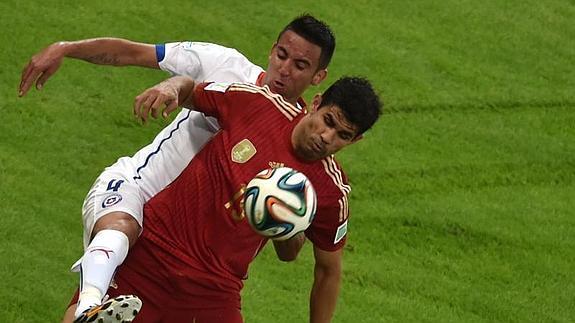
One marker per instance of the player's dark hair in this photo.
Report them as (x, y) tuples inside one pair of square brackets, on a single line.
[(316, 32), (357, 100)]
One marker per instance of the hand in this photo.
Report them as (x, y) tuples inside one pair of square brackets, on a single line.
[(161, 96), (40, 67)]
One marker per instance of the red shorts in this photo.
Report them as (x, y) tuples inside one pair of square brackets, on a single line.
[(167, 297), (151, 313)]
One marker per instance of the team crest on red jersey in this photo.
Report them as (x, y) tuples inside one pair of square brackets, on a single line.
[(243, 151)]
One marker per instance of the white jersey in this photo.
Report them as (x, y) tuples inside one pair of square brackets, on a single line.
[(132, 181), (159, 163)]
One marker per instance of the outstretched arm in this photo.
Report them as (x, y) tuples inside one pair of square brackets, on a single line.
[(325, 290), (101, 51)]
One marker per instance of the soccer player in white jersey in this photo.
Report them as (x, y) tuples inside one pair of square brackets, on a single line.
[(113, 208)]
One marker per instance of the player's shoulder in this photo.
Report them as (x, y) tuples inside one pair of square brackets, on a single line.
[(253, 92), (255, 89), (330, 178), (231, 87), (200, 46), (200, 50)]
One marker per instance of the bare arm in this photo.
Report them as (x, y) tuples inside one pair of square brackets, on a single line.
[(101, 51), (165, 97), (289, 249), (327, 280)]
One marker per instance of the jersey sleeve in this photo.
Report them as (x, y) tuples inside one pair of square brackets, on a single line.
[(206, 62), (230, 102), (328, 230), (209, 98)]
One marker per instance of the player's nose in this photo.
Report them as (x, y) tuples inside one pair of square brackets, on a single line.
[(284, 68), (328, 135)]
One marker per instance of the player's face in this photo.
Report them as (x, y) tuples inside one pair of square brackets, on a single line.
[(322, 133), (293, 66)]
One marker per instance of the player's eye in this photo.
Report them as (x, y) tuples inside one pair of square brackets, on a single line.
[(345, 135), (281, 54), (328, 120)]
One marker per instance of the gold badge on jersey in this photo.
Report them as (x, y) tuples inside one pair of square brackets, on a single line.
[(243, 151)]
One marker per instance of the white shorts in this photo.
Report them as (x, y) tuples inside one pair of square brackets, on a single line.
[(112, 191)]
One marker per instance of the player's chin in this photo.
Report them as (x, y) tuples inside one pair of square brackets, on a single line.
[(318, 152), (279, 90), (314, 155), (322, 155)]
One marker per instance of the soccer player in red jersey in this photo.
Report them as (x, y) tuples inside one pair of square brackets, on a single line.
[(113, 209), (190, 261)]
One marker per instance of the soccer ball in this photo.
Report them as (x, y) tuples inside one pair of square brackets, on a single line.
[(279, 203)]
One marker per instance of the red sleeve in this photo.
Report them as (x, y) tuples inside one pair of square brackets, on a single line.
[(210, 99), (227, 101), (326, 231)]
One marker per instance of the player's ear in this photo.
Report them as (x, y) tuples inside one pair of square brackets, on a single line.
[(319, 76), (315, 102)]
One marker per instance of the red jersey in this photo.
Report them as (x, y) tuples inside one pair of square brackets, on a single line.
[(195, 226)]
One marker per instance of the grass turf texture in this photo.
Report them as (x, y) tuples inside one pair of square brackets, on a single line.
[(461, 209)]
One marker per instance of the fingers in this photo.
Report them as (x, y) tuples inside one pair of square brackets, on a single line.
[(29, 75), (156, 106), (23, 78), (142, 106), (170, 108), (38, 70), (152, 102), (44, 76)]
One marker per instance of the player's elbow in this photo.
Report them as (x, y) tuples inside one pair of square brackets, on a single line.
[(287, 257), (288, 250), (286, 253)]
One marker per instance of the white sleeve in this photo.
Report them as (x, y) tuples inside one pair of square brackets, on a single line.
[(206, 62)]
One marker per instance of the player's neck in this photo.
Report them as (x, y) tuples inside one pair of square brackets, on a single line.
[(292, 101)]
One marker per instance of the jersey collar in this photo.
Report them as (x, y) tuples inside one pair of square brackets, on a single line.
[(300, 101)]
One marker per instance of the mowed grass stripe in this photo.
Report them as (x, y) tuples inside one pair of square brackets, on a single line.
[(471, 107), (467, 252), (473, 177)]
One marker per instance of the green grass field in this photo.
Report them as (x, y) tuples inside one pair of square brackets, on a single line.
[(461, 209)]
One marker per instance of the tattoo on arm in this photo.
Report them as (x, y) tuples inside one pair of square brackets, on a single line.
[(104, 58)]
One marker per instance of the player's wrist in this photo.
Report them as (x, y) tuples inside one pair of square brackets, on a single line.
[(63, 48)]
